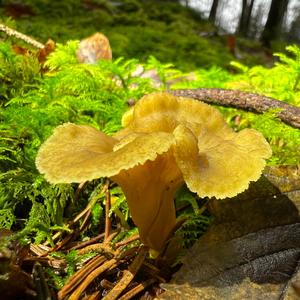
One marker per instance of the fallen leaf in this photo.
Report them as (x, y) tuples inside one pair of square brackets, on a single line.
[(42, 54), (252, 251)]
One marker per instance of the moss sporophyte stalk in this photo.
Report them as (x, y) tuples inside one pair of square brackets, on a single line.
[(165, 141)]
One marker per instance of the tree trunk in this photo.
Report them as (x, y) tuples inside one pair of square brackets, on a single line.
[(213, 11), (245, 19), (273, 25)]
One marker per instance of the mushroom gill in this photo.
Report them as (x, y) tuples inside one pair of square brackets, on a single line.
[(166, 140)]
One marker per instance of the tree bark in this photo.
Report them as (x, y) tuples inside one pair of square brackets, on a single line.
[(289, 114), (213, 11), (273, 25), (245, 19)]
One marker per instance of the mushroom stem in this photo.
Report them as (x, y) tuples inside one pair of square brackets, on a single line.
[(107, 209), (150, 190)]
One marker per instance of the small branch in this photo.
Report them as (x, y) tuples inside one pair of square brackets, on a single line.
[(94, 296), (131, 239), (76, 294), (247, 101), (128, 275), (21, 36), (99, 247), (89, 242), (107, 209), (153, 271), (107, 284), (79, 189), (112, 236), (80, 275), (130, 294)]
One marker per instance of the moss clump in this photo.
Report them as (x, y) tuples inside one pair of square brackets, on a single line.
[(136, 29)]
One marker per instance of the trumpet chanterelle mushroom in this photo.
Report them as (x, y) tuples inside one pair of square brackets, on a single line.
[(166, 141)]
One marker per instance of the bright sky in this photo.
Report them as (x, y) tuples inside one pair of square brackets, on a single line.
[(230, 11)]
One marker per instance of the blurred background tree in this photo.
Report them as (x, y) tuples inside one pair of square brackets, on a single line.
[(213, 11), (245, 18), (268, 21), (212, 32), (274, 24)]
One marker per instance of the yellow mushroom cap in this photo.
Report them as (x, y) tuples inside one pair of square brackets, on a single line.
[(164, 112), (77, 153), (215, 160), (216, 166)]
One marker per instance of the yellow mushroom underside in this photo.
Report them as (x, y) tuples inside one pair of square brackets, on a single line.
[(149, 190), (76, 153)]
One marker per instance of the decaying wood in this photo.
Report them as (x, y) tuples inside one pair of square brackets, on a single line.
[(289, 114), (27, 39)]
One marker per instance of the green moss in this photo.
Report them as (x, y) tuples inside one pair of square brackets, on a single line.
[(136, 29), (32, 104)]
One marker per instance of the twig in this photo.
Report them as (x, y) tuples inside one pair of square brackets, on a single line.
[(289, 114), (89, 206), (80, 275), (86, 213), (106, 284), (99, 247), (79, 189), (131, 239), (89, 242), (47, 261), (85, 221), (76, 294), (39, 250), (64, 241), (128, 275), (112, 236), (54, 237), (130, 294), (21, 36), (94, 296), (153, 271), (107, 209)]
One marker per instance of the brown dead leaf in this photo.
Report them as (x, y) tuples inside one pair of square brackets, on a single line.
[(41, 54), (252, 251), (19, 50), (44, 52)]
